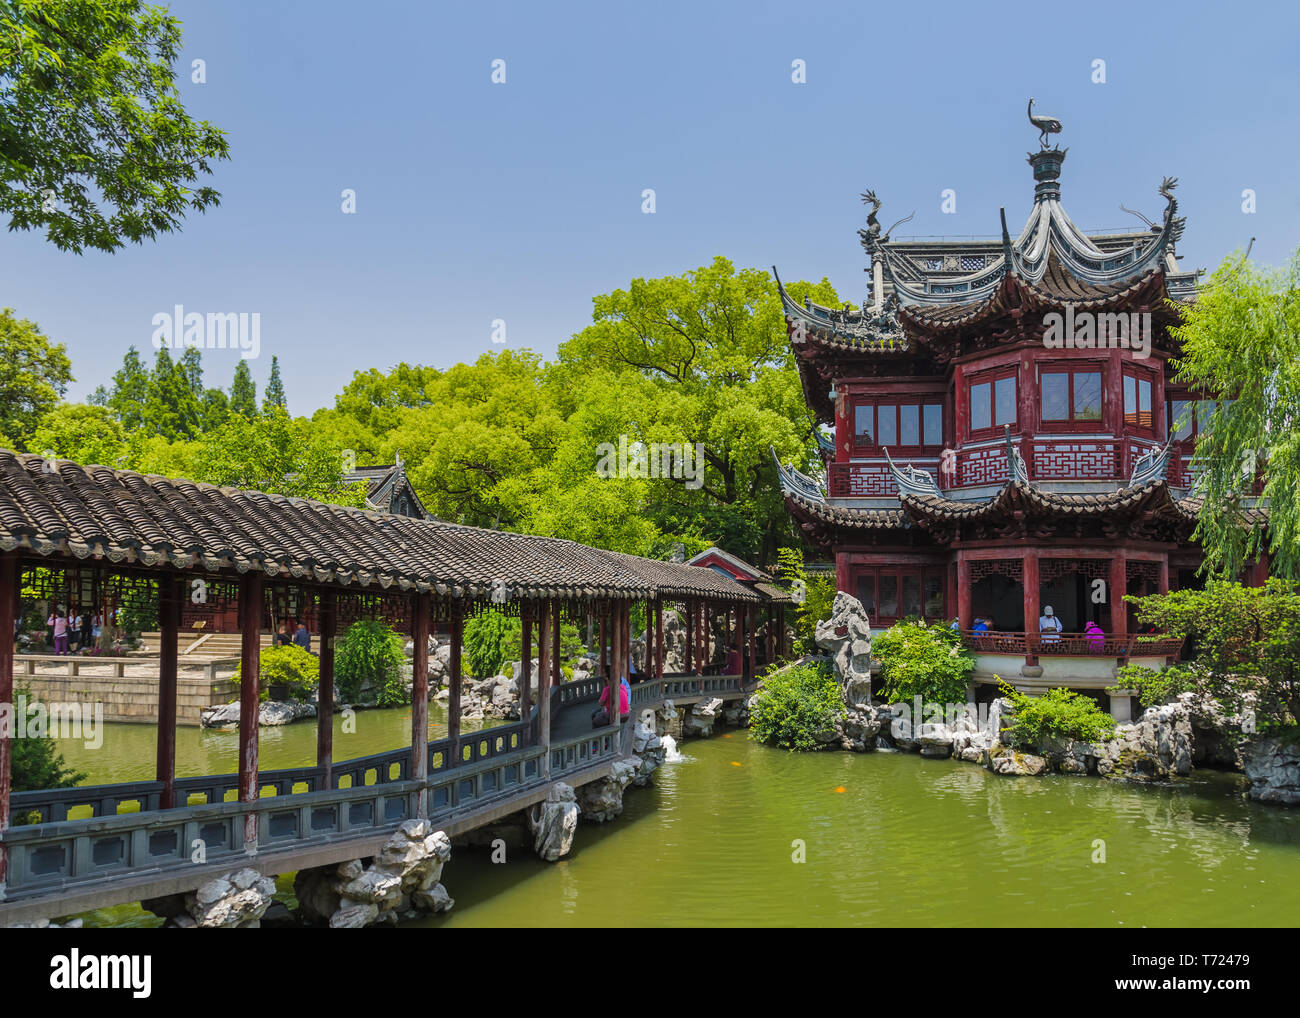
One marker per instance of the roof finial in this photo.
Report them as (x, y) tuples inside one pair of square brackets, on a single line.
[(1006, 241)]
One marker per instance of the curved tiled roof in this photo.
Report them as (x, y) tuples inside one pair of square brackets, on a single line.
[(56, 507)]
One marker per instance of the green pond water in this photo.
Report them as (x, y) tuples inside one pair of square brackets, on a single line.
[(889, 838)]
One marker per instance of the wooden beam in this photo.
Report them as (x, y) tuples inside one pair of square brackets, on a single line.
[(170, 591), (1030, 594), (250, 670), (453, 693), (1118, 588), (325, 691), (420, 698), (9, 593), (688, 623)]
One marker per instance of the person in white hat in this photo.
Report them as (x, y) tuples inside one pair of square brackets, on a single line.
[(1049, 625)]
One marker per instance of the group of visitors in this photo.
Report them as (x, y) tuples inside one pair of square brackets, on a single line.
[(299, 636), (1049, 629), (80, 632)]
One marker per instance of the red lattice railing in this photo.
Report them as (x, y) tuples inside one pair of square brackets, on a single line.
[(1071, 644)]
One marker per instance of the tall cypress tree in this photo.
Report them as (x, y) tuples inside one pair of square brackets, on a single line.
[(171, 408), (243, 391), (274, 390), (130, 391), (191, 364)]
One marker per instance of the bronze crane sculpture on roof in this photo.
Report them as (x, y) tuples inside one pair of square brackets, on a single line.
[(1045, 125)]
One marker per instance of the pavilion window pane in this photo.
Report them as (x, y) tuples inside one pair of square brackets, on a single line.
[(886, 425), (981, 408), (1005, 400), (1204, 414), (867, 593), (1144, 404), (1056, 396), (1087, 396), (1130, 401), (933, 596), (888, 588), (1180, 419), (911, 594), (909, 425), (863, 422), (934, 425)]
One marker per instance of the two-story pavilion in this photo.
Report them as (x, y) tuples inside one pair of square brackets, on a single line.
[(1002, 432)]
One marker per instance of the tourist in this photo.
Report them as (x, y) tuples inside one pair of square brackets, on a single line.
[(301, 637), (282, 638), (1049, 626), (97, 631), (1095, 636), (981, 626), (58, 622), (74, 632), (87, 626), (733, 660), (600, 716)]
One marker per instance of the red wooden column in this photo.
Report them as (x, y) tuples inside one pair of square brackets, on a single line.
[(659, 640), (609, 626), (604, 640), (688, 618), (770, 642), (701, 645), (780, 632), (250, 631), (963, 592), (9, 592), (325, 691), (751, 618), (169, 618), (557, 673), (420, 699), (741, 630), (453, 681), (544, 683), (1118, 588), (526, 668), (1029, 572), (1164, 575)]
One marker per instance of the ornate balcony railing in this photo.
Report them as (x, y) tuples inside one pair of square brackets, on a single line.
[(1071, 644)]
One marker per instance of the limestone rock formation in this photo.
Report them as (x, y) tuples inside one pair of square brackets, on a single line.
[(602, 799), (237, 900), (401, 882), (554, 822), (1156, 748), (271, 713), (702, 717), (846, 636), (650, 752), (1273, 767)]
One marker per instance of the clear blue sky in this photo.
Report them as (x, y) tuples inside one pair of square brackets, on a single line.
[(522, 201)]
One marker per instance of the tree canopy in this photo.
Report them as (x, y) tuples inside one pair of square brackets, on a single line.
[(95, 147), (1241, 349)]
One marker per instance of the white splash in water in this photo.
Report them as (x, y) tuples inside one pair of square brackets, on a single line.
[(671, 755)]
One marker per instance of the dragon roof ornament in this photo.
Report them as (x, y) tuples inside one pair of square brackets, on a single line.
[(795, 482), (913, 481)]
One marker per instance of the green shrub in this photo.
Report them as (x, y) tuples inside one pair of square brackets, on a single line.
[(920, 660), (1244, 643), (37, 763), (370, 654), (1155, 685), (491, 638), (795, 704), (1059, 713), (290, 666)]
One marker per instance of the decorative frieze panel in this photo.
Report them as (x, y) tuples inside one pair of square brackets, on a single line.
[(1052, 569), (1011, 568)]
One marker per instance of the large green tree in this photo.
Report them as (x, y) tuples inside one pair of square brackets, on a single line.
[(712, 344), (82, 433), (243, 391), (274, 396), (130, 390), (170, 408), (1241, 349), (34, 374), (95, 146)]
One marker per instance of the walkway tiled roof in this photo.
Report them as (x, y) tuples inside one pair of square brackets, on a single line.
[(58, 508)]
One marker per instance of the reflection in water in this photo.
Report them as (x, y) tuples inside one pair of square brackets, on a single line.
[(890, 839)]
